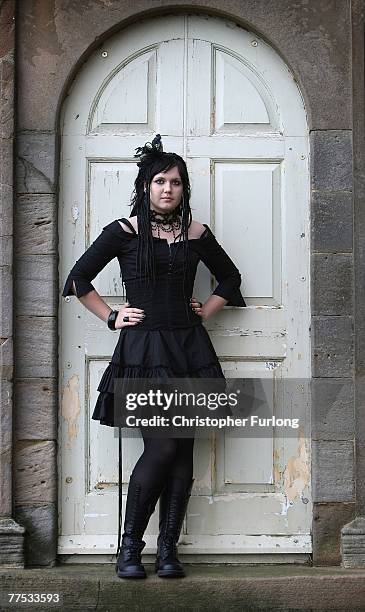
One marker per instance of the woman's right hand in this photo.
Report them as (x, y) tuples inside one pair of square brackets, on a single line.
[(136, 315)]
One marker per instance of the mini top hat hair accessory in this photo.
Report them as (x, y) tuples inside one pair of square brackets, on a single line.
[(150, 148)]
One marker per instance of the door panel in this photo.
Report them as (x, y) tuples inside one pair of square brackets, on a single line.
[(223, 99)]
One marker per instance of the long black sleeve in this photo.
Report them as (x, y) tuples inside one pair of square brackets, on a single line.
[(222, 267), (96, 257)]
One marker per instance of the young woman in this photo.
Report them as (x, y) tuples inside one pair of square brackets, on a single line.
[(162, 336)]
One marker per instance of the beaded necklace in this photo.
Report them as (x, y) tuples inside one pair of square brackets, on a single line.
[(168, 222)]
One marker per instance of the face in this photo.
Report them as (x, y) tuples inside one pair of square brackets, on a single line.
[(166, 190)]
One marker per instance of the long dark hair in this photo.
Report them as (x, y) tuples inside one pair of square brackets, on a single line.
[(154, 160)]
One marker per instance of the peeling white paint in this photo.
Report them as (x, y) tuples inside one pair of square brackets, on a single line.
[(75, 213), (70, 406), (285, 507), (297, 470), (271, 365)]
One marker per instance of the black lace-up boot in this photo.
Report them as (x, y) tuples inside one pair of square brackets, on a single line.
[(173, 504), (137, 515)]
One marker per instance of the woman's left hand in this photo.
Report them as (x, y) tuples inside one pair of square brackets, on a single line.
[(197, 307)]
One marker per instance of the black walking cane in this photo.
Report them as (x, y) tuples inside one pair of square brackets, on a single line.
[(120, 497)]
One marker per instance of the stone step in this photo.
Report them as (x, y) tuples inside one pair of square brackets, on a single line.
[(205, 588)]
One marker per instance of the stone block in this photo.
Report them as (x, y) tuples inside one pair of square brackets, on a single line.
[(36, 162), (36, 347), (6, 358), (5, 447), (6, 250), (332, 409), (332, 286), (34, 472), (40, 523), (6, 187), (7, 25), (331, 154), (353, 543), (6, 301), (6, 167), (36, 285), (333, 346), (36, 403), (11, 543), (6, 205), (35, 230), (328, 520), (7, 95), (333, 471), (332, 221)]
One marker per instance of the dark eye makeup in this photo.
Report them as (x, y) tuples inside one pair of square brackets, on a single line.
[(176, 181)]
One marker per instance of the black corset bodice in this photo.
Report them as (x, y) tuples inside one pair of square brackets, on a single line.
[(166, 299)]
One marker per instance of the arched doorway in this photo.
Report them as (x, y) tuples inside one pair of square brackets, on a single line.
[(221, 97)]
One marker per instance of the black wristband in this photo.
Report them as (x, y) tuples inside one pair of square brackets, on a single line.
[(111, 319)]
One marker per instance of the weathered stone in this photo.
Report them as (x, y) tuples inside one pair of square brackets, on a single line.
[(6, 301), (40, 523), (7, 39), (6, 358), (333, 471), (7, 96), (332, 409), (36, 347), (353, 543), (332, 346), (6, 166), (5, 447), (36, 409), (6, 250), (332, 222), (358, 101), (6, 206), (77, 590), (328, 520), (36, 285), (332, 287), (331, 166), (360, 438), (36, 223), (36, 163), (34, 472), (6, 186), (7, 46), (314, 37), (11, 543)]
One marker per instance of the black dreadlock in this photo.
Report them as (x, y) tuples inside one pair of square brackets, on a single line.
[(154, 160)]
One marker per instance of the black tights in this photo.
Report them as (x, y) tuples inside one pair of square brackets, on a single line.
[(164, 458), (161, 459)]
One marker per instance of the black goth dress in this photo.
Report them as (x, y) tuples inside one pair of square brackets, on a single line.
[(171, 341)]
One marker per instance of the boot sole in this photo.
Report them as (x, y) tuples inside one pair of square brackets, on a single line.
[(130, 575), (170, 574)]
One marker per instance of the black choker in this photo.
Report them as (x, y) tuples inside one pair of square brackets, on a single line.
[(168, 222), (160, 217)]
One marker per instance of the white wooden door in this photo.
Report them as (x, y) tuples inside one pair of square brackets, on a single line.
[(222, 98)]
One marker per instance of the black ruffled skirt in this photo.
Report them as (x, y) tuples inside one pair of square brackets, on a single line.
[(158, 355)]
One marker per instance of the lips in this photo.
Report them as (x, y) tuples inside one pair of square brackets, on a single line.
[(166, 199)]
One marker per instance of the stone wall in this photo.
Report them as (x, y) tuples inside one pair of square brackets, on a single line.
[(53, 39)]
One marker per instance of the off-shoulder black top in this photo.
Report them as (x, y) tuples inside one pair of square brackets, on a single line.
[(163, 302)]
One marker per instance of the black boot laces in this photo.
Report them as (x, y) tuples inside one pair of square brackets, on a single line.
[(131, 550), (170, 535)]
